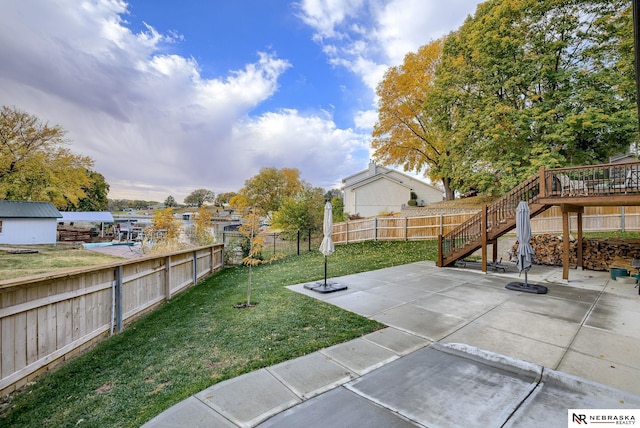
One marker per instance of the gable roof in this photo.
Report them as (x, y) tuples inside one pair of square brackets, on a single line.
[(376, 172), (377, 177), (28, 209)]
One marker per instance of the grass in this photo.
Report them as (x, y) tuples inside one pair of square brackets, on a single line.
[(49, 258), (198, 339)]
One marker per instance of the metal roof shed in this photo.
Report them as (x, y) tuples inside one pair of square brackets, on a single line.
[(26, 222), (101, 217)]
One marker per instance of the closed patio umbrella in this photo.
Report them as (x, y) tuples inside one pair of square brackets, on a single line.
[(326, 248), (525, 250)]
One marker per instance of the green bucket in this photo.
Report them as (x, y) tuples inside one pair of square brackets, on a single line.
[(616, 272)]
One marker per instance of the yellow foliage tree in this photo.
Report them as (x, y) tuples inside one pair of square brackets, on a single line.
[(202, 227), (250, 230), (164, 233), (36, 165), (406, 132), (268, 189)]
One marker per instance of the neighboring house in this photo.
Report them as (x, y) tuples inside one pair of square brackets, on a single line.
[(623, 158), (23, 222), (379, 189)]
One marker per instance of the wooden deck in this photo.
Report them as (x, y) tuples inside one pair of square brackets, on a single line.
[(571, 189)]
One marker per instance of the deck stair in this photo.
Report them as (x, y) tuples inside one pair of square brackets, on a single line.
[(490, 223), (571, 188)]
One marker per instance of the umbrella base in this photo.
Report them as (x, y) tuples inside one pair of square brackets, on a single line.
[(325, 287), (527, 288)]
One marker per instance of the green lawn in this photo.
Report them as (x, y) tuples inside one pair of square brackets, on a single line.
[(199, 338), (48, 258)]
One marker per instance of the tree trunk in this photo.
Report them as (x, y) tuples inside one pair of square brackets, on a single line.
[(449, 194)]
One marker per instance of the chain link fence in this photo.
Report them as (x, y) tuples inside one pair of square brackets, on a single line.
[(282, 244)]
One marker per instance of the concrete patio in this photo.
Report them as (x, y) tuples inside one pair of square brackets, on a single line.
[(459, 350)]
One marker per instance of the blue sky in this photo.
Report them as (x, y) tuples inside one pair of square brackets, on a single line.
[(170, 96)]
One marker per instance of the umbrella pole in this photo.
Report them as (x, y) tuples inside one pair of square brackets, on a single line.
[(526, 272), (325, 271)]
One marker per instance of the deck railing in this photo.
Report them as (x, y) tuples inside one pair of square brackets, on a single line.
[(559, 183), (499, 213), (594, 180)]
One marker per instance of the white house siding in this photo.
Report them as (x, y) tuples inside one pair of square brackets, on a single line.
[(28, 231), (379, 189), (378, 196)]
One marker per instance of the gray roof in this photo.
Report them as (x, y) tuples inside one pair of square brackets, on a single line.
[(87, 216), (28, 209)]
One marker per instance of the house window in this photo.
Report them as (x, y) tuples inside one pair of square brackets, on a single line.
[(0, 226)]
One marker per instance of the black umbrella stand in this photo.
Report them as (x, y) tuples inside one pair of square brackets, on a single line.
[(326, 286), (525, 286)]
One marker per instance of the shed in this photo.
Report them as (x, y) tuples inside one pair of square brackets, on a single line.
[(26, 222), (101, 217)]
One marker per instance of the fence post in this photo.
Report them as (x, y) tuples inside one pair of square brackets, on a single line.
[(309, 240), (375, 228), (347, 233), (622, 219), (273, 235), (211, 258), (406, 228), (118, 298), (441, 225), (298, 242), (195, 267), (167, 277)]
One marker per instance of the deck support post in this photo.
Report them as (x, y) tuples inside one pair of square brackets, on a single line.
[(566, 231), (483, 233), (580, 258)]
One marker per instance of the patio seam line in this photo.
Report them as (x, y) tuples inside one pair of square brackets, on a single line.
[(400, 354), (477, 318), (386, 361), (400, 304), (283, 383), (581, 325), (211, 409)]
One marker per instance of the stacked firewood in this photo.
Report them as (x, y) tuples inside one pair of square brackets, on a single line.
[(73, 234), (602, 254), (598, 254)]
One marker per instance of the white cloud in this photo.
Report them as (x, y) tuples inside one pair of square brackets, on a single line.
[(367, 37), (155, 126), (148, 118)]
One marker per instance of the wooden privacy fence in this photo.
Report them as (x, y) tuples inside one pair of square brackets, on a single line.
[(47, 318), (595, 219), (396, 228)]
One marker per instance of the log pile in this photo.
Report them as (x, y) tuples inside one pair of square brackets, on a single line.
[(598, 254), (73, 234), (602, 254)]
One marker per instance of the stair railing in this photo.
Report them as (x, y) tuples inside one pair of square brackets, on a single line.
[(499, 213)]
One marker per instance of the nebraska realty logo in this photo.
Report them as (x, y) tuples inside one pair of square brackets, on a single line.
[(600, 417)]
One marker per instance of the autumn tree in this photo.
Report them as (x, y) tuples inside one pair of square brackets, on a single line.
[(530, 83), (202, 234), (406, 133), (199, 197), (163, 235), (224, 198), (37, 165), (302, 211), (266, 190)]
